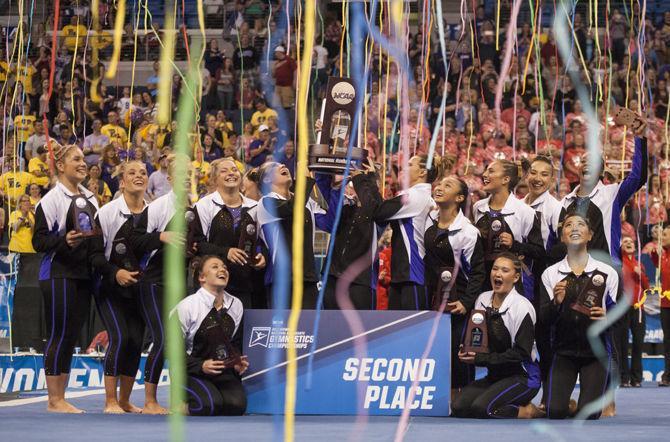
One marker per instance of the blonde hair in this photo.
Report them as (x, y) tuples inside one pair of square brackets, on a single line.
[(120, 169), (174, 158), (60, 152), (216, 165)]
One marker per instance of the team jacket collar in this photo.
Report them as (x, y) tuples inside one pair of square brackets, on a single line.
[(508, 209), (207, 298), (487, 301), (123, 206), (591, 266), (456, 225), (82, 190), (572, 195), (540, 199), (246, 202)]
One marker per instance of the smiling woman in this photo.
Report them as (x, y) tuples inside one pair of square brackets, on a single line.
[(65, 277)]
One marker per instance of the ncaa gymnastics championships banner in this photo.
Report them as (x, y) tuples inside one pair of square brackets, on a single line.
[(342, 381)]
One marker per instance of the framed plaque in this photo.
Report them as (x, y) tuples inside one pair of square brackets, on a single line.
[(329, 154), (496, 226), (219, 346), (476, 336), (190, 218), (123, 256), (592, 294), (445, 283), (248, 239), (83, 217)]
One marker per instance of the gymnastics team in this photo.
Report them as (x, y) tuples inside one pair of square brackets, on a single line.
[(524, 263)]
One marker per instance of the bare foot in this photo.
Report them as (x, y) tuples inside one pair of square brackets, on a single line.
[(113, 408), (530, 411), (154, 408), (63, 406), (609, 410), (572, 408), (129, 408)]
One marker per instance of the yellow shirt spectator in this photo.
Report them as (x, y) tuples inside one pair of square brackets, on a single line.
[(115, 133), (24, 74), (259, 118), (24, 126), (4, 71), (71, 32), (21, 231), (37, 165), (100, 40), (15, 184)]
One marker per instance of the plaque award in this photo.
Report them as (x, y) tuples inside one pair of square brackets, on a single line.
[(123, 256), (445, 283), (329, 154), (496, 227), (83, 217), (248, 239), (476, 336), (591, 295), (220, 347), (189, 216)]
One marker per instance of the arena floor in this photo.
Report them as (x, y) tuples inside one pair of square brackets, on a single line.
[(642, 416)]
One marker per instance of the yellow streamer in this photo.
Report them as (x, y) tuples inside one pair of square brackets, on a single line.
[(299, 220), (165, 72), (118, 36)]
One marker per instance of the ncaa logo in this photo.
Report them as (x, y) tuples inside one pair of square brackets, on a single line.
[(259, 336), (343, 93)]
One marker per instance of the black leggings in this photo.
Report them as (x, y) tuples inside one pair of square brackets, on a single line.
[(461, 374), (67, 304), (501, 399), (223, 395), (665, 325), (361, 296), (125, 329), (593, 378), (636, 323), (151, 301), (408, 296)]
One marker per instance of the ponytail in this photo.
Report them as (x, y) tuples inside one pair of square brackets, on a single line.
[(515, 170), (438, 168)]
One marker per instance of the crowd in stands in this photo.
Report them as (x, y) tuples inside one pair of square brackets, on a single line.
[(248, 104)]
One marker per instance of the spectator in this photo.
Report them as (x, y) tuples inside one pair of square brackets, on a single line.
[(283, 72), (154, 79), (35, 194), (36, 140), (22, 224), (96, 185), (158, 181), (260, 148), (94, 143), (287, 156), (263, 112), (113, 131), (245, 55), (37, 166)]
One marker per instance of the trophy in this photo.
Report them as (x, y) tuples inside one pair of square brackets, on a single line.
[(248, 239), (329, 155), (626, 117), (444, 286), (476, 336), (497, 226), (83, 217), (220, 347), (123, 256), (591, 295), (189, 215)]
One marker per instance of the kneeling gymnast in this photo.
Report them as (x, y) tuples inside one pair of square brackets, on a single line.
[(210, 320), (513, 376)]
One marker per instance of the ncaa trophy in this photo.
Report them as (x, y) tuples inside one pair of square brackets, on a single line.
[(329, 154), (591, 295), (476, 337), (83, 217)]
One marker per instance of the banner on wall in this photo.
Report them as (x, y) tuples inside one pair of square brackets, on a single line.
[(26, 372), (8, 272), (376, 380)]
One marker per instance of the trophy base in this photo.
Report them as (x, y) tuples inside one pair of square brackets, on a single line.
[(321, 160), (232, 361), (90, 233), (580, 308), (467, 349)]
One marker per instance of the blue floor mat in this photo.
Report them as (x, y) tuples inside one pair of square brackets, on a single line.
[(642, 414)]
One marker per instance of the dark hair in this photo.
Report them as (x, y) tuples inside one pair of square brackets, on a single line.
[(253, 175), (577, 212), (544, 159), (512, 257), (198, 264), (515, 170), (439, 166)]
